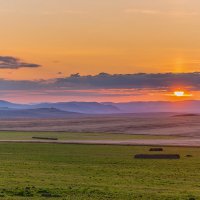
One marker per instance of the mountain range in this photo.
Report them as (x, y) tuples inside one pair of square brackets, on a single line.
[(69, 109)]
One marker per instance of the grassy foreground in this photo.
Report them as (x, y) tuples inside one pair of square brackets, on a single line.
[(38, 171)]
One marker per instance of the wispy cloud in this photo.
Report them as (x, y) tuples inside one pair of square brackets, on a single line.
[(142, 11), (9, 62), (67, 12), (161, 12)]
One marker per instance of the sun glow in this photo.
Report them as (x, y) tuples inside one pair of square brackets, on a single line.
[(179, 93)]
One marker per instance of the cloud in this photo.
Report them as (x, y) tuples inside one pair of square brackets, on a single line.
[(143, 11), (67, 12), (102, 87), (140, 81), (160, 12), (9, 62)]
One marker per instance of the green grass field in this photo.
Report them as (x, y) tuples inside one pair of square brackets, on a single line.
[(17, 135), (38, 171)]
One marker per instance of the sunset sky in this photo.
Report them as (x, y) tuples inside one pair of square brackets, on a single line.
[(43, 42)]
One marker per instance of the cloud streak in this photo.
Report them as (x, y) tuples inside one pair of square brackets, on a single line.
[(138, 81), (160, 12), (9, 62), (108, 81)]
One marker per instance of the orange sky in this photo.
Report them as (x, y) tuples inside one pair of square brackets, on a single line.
[(122, 95), (89, 37), (86, 36)]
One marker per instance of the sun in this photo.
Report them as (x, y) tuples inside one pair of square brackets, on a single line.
[(179, 93)]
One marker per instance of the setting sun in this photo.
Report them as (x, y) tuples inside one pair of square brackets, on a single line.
[(179, 93)]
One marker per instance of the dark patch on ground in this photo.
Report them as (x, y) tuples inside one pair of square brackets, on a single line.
[(157, 156)]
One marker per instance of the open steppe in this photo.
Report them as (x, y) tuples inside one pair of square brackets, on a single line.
[(66, 169), (168, 124), (167, 129)]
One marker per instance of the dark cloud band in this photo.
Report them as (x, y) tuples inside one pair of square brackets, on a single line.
[(108, 81), (140, 80)]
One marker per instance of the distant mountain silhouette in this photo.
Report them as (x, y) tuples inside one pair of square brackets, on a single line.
[(36, 113), (158, 106), (81, 107), (66, 108), (8, 105)]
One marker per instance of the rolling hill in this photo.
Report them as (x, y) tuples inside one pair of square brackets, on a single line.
[(36, 113), (62, 109)]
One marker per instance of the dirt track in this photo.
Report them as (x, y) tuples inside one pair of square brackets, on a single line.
[(138, 142)]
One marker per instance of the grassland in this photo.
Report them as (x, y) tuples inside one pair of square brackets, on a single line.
[(21, 135), (36, 171), (136, 124)]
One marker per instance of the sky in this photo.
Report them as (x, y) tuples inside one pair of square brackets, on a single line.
[(47, 43)]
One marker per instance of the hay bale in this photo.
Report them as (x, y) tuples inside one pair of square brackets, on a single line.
[(44, 138), (156, 149), (157, 156)]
